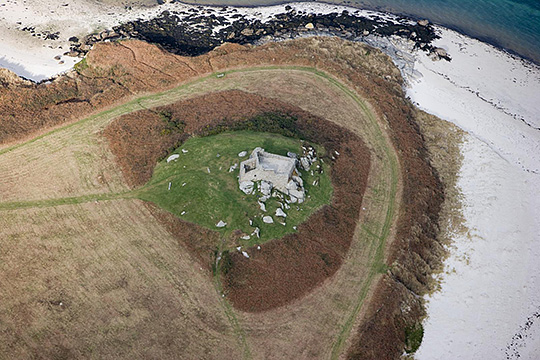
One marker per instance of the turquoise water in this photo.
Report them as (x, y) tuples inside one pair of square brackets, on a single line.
[(511, 24)]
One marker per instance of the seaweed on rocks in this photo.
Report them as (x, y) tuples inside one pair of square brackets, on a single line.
[(198, 32)]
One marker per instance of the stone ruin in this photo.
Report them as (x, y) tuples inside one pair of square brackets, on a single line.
[(272, 171)]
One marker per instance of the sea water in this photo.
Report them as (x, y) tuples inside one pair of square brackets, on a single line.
[(510, 24)]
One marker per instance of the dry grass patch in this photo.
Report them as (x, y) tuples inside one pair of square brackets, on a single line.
[(104, 281)]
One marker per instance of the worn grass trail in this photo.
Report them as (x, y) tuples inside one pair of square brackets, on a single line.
[(380, 201)]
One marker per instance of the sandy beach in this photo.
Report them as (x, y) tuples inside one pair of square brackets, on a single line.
[(490, 285), (492, 278)]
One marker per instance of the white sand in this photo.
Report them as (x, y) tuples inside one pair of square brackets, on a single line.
[(491, 285)]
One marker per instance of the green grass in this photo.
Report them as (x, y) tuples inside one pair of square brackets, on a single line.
[(413, 337), (81, 66), (211, 192)]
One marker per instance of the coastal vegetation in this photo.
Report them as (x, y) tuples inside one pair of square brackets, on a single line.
[(122, 264)]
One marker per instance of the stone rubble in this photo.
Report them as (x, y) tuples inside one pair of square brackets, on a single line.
[(247, 187)]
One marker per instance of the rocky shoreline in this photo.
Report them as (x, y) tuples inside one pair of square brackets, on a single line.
[(198, 30)]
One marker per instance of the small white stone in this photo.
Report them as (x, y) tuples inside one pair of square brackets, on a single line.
[(246, 237), (208, 169), (245, 254), (247, 187), (184, 151), (262, 206), (183, 213), (184, 184), (268, 220), (280, 212), (258, 247), (172, 157), (257, 232), (221, 224), (242, 153), (266, 187)]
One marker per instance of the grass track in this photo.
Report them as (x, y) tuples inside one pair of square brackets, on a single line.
[(148, 101)]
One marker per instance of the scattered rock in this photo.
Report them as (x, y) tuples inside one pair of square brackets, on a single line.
[(184, 151), (221, 224), (280, 212), (441, 52), (246, 237), (298, 180), (266, 187), (306, 164), (72, 53), (262, 206), (298, 195), (257, 232), (245, 254), (268, 220), (233, 167), (247, 32), (423, 22), (309, 26), (242, 153), (247, 187), (172, 157)]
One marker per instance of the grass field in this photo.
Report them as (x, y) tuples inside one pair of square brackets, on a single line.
[(204, 191), (317, 326)]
